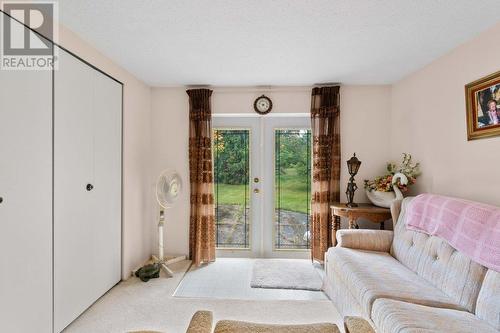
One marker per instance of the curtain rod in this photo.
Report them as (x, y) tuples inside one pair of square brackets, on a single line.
[(327, 84), (198, 86), (262, 87)]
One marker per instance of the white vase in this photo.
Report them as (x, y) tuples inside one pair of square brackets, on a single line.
[(381, 199), (384, 199)]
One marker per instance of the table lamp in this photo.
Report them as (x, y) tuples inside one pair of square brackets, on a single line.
[(353, 165)]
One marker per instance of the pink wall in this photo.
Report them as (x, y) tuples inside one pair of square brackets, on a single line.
[(428, 120), (137, 192)]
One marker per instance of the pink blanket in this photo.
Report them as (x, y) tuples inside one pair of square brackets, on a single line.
[(470, 227)]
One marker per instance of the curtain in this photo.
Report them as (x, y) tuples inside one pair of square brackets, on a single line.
[(325, 126), (202, 220)]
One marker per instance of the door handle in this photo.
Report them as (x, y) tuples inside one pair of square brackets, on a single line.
[(256, 190), (1, 199), (90, 187)]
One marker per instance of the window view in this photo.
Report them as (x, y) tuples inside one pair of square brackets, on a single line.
[(292, 183), (231, 172)]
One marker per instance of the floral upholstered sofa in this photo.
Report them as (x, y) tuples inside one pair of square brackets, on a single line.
[(407, 281)]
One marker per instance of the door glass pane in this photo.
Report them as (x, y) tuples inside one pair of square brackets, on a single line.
[(292, 184), (232, 199)]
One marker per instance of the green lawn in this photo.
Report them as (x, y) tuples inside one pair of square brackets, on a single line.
[(294, 193)]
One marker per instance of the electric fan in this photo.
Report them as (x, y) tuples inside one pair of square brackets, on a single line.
[(168, 189)]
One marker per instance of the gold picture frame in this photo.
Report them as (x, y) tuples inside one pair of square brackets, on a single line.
[(482, 97)]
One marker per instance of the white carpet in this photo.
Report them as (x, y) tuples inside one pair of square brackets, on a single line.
[(229, 278), (134, 305), (285, 274)]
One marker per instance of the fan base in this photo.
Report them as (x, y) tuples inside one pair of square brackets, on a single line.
[(167, 261)]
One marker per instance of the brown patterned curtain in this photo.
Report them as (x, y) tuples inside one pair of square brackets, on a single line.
[(202, 220), (325, 125)]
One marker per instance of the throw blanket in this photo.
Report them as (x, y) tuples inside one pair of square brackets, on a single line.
[(470, 227)]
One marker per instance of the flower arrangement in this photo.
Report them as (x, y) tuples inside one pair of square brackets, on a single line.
[(384, 183)]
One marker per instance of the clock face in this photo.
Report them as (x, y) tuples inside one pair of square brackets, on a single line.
[(263, 105)]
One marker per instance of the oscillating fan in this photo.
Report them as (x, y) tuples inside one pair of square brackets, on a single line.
[(168, 189)]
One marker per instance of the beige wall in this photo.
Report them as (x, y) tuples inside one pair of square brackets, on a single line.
[(170, 128), (423, 114), (137, 195), (364, 118), (428, 120)]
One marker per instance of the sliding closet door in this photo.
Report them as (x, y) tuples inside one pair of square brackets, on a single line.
[(107, 177), (26, 200), (87, 187), (73, 225)]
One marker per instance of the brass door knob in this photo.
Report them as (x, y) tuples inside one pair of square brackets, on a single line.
[(256, 190), (256, 180)]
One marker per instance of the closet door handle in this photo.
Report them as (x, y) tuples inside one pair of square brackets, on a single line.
[(1, 199), (90, 187)]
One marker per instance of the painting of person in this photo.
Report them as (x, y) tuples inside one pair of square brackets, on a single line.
[(491, 116), (482, 99), (484, 96), (496, 95), (488, 108)]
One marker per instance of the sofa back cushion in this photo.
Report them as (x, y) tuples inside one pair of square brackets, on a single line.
[(488, 302), (436, 261)]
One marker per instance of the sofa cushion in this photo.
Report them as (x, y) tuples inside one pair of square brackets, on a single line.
[(396, 316), (233, 326), (488, 302), (370, 275), (436, 261)]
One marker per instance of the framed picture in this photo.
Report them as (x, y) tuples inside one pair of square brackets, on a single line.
[(483, 107)]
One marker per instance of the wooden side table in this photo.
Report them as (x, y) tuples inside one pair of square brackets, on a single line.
[(366, 211)]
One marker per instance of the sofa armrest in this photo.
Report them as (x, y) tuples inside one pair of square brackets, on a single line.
[(370, 240), (357, 325), (201, 322)]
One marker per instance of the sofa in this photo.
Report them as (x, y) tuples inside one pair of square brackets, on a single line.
[(407, 281)]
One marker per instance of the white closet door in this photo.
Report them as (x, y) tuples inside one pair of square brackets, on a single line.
[(26, 207), (87, 220), (107, 178), (74, 228)]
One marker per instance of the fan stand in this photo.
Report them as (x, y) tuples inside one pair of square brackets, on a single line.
[(160, 259)]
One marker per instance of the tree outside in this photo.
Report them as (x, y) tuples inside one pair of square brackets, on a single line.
[(292, 187)]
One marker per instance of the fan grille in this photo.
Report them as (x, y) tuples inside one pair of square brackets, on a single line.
[(168, 188)]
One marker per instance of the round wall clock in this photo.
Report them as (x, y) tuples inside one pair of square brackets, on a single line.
[(263, 105)]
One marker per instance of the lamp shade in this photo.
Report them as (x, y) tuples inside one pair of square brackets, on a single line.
[(353, 165)]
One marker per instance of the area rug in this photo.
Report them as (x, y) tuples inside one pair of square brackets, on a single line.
[(229, 278), (285, 274)]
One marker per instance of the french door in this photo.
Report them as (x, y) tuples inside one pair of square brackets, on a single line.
[(262, 180)]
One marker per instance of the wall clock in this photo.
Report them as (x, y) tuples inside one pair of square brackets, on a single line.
[(263, 105)]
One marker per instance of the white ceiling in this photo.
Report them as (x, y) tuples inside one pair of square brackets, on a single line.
[(276, 42)]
